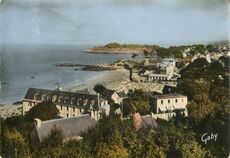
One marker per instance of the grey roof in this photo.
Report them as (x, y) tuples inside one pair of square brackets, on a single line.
[(70, 127), (149, 121), (108, 93), (122, 94), (77, 99)]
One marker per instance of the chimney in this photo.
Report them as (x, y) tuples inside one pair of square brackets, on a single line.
[(137, 120), (38, 122), (98, 100)]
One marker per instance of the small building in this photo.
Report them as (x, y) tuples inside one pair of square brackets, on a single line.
[(166, 104), (167, 71), (144, 121), (113, 95), (166, 62), (71, 128), (69, 104)]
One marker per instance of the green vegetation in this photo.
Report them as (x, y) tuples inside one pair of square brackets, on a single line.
[(13, 144), (208, 92), (44, 111), (166, 52), (130, 46), (99, 88), (162, 52)]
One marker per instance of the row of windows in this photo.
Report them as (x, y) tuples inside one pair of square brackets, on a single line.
[(61, 99), (73, 108), (176, 100)]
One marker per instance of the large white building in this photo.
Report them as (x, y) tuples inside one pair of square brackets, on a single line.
[(166, 104), (167, 71), (69, 104), (168, 62)]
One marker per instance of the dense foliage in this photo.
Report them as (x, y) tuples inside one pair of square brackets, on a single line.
[(205, 85)]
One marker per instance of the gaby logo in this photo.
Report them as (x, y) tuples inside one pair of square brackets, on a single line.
[(206, 137)]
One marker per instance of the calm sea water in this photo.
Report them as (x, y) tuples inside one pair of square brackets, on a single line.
[(25, 66)]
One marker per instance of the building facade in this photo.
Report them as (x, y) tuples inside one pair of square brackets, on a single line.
[(167, 71), (69, 104), (166, 104)]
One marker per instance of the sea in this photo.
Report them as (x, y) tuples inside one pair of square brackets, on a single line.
[(32, 65)]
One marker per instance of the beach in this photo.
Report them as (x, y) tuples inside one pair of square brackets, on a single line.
[(8, 110), (117, 80)]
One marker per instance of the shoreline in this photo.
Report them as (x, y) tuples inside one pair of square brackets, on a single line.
[(107, 78), (116, 80)]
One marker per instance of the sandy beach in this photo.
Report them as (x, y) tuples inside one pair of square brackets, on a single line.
[(117, 80), (8, 110)]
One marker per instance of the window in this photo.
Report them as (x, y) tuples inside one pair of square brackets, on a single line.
[(72, 100), (79, 101), (67, 115), (73, 109), (168, 101), (73, 115), (67, 108), (85, 102), (176, 100), (61, 107), (161, 101), (182, 100), (54, 98)]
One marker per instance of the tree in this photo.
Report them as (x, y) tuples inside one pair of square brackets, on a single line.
[(192, 149), (99, 88), (52, 145), (128, 107), (111, 151), (46, 110), (153, 151), (171, 139), (14, 145)]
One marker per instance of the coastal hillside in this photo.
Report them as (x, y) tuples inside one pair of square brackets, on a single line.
[(122, 48), (176, 51)]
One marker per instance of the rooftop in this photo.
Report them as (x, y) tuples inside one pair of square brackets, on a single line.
[(70, 127), (63, 97), (168, 96)]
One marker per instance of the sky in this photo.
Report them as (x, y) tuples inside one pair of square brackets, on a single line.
[(162, 22)]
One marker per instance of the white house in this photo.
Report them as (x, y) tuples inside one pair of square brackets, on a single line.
[(168, 62), (167, 104), (168, 71)]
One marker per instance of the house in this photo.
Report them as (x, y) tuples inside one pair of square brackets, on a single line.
[(71, 128), (167, 71), (164, 106), (144, 121), (113, 95), (69, 104), (117, 97), (168, 62)]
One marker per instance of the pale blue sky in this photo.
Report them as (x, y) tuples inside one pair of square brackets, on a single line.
[(164, 22)]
